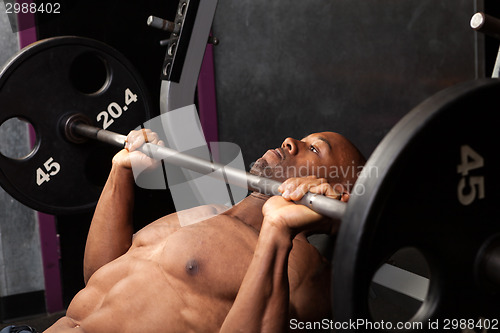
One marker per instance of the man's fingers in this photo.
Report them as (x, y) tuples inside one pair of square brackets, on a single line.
[(287, 187), (135, 139), (300, 191), (326, 190), (296, 188), (141, 161)]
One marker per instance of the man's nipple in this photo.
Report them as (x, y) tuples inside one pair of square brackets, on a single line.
[(192, 267)]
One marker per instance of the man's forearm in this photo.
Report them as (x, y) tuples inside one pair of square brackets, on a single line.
[(262, 303), (111, 230)]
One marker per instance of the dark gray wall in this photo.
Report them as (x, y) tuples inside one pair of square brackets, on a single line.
[(289, 68)]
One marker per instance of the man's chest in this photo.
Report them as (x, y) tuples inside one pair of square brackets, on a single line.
[(210, 257)]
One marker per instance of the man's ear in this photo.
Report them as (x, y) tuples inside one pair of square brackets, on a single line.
[(345, 196)]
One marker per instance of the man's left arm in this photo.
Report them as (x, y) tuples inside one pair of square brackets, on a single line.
[(262, 303)]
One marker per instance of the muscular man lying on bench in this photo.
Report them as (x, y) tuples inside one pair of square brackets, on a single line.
[(247, 269)]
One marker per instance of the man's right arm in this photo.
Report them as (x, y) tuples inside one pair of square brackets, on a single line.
[(111, 230)]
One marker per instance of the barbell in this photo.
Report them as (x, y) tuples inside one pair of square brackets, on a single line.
[(76, 127), (430, 184)]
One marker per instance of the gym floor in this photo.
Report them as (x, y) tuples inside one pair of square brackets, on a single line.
[(40, 322)]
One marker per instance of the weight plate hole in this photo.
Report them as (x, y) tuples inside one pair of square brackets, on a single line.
[(399, 287), (89, 73), (15, 139)]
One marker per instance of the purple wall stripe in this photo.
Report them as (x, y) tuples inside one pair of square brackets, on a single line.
[(207, 98)]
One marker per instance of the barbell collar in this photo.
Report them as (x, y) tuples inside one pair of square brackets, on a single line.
[(487, 24), (99, 134), (162, 24), (325, 206)]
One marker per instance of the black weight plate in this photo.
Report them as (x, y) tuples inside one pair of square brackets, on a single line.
[(416, 196), (43, 83)]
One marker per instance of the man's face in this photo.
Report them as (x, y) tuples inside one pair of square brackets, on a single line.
[(319, 154)]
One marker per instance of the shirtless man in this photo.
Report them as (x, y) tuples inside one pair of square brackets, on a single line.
[(233, 271)]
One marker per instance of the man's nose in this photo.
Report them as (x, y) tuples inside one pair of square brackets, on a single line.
[(291, 145)]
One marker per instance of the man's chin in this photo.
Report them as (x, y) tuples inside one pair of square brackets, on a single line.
[(259, 167), (262, 168)]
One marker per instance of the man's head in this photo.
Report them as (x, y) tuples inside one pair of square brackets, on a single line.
[(325, 155)]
